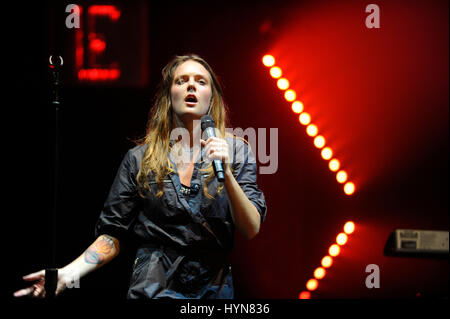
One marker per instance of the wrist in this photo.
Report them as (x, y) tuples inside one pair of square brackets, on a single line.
[(69, 272), (69, 276), (227, 171), (65, 272)]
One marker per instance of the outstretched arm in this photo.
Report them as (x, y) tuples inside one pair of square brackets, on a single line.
[(103, 250)]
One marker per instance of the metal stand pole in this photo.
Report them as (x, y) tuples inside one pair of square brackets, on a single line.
[(51, 273)]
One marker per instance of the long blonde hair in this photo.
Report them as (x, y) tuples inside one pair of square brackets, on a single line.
[(161, 122)]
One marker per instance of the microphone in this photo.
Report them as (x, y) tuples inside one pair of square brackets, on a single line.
[(208, 126)]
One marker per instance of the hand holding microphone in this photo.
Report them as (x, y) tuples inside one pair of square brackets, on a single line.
[(216, 149)]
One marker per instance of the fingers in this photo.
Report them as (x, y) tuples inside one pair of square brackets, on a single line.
[(35, 276), (211, 139), (24, 292), (38, 290), (215, 148), (35, 291)]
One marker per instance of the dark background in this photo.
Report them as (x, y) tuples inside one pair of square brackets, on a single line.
[(380, 96)]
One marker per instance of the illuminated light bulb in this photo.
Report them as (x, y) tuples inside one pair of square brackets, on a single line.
[(349, 227), (275, 72), (304, 118), (341, 176), (304, 295), (107, 10), (327, 153), (297, 107), (334, 165), (312, 130), (349, 188), (341, 239), (334, 250), (97, 45), (327, 261), (319, 273), (283, 84), (312, 284), (268, 60), (319, 141), (290, 95)]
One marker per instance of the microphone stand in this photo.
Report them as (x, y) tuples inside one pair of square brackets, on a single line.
[(51, 273)]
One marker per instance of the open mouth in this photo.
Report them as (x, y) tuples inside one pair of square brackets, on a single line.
[(190, 100)]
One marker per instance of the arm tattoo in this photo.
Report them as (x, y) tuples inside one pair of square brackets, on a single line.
[(99, 250)]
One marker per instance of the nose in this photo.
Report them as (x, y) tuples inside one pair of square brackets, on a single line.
[(191, 85)]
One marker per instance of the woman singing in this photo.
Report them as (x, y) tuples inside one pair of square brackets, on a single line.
[(167, 198)]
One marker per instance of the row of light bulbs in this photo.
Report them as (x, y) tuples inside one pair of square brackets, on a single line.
[(311, 129)]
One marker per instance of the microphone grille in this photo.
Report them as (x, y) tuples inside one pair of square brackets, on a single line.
[(207, 121)]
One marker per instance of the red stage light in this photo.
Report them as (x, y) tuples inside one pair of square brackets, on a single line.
[(268, 60), (341, 176), (79, 48), (290, 95), (275, 72), (349, 188), (349, 227), (297, 107), (341, 239), (319, 141), (312, 284), (304, 295), (98, 74), (283, 84), (334, 250), (327, 153), (334, 165), (106, 10), (319, 273), (312, 130), (304, 118), (327, 261), (97, 45)]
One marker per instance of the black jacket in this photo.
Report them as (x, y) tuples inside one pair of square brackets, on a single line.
[(184, 239)]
